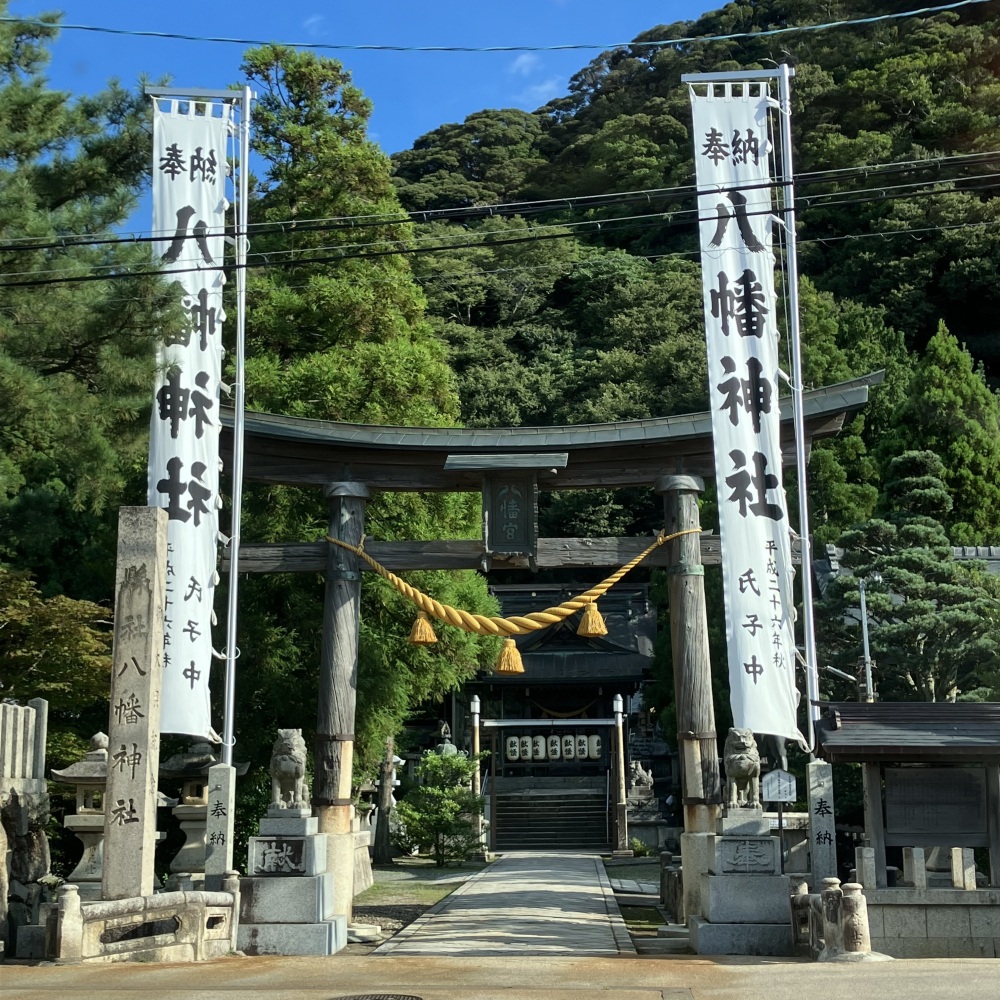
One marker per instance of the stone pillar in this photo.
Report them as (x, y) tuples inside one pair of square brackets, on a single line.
[(822, 832), (621, 805), (219, 825), (68, 945), (831, 899), (134, 719), (915, 867), (854, 915), (338, 684), (864, 863), (963, 868), (696, 736)]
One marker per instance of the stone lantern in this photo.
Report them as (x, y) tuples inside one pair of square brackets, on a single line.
[(90, 777)]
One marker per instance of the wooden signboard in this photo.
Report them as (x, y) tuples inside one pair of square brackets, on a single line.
[(928, 806)]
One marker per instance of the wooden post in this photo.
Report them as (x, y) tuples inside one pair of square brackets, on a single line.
[(874, 822), (338, 685), (696, 735), (993, 821), (382, 850)]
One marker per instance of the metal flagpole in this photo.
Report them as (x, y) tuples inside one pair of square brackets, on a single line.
[(792, 261), (242, 199)]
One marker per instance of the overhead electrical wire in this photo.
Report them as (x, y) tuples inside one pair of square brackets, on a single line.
[(504, 209), (367, 252), (569, 47)]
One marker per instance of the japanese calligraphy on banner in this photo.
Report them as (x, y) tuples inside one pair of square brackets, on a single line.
[(189, 178), (735, 218)]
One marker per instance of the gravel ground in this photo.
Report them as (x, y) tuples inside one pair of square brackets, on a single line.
[(405, 890)]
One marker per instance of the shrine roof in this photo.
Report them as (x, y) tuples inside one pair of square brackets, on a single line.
[(304, 452), (931, 732)]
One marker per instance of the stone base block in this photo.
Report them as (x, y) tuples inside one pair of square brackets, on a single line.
[(746, 855), (304, 900), (325, 938), (740, 939), (746, 899), (289, 826), (744, 821), (31, 941), (281, 854)]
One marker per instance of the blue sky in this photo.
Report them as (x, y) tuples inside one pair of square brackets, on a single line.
[(412, 92)]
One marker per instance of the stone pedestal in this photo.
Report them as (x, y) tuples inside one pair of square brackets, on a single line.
[(288, 902), (743, 900)]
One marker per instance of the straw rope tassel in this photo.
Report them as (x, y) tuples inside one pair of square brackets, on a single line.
[(592, 622), (495, 625), (422, 633)]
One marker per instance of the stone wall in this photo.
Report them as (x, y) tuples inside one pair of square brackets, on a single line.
[(935, 923)]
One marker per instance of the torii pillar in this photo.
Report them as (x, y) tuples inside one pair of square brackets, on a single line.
[(338, 687), (696, 736)]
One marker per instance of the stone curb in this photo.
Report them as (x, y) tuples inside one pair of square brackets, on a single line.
[(623, 940)]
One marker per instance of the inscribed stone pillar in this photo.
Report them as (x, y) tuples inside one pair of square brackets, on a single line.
[(338, 685), (134, 718), (219, 825), (822, 832)]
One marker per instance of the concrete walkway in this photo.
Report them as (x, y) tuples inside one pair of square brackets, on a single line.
[(522, 904)]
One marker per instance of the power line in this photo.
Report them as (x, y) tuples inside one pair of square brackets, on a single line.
[(637, 223), (569, 47), (506, 209)]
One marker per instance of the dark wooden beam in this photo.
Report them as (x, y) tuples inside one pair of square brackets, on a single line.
[(553, 553)]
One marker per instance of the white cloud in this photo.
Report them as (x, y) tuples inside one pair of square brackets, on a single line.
[(314, 25), (524, 65), (541, 93)]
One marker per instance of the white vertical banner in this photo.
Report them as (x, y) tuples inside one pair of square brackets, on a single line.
[(732, 154), (189, 204)]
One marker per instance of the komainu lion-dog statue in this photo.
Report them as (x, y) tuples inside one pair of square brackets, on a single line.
[(288, 770), (742, 763)]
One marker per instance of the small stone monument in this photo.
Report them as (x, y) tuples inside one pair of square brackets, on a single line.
[(89, 776), (745, 899), (286, 900)]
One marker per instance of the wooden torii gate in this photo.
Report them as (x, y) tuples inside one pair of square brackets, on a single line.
[(672, 455)]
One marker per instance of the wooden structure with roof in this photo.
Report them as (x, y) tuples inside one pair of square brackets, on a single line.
[(349, 462), (931, 772)]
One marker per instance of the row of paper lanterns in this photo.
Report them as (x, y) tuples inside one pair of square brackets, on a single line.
[(527, 748)]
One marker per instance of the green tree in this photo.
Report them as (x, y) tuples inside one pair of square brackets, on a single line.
[(933, 622), (438, 814), (341, 341), (76, 360), (58, 649), (950, 410)]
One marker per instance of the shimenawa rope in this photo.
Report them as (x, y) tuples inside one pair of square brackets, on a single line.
[(494, 625)]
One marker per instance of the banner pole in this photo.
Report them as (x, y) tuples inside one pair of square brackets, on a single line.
[(792, 262), (242, 200)]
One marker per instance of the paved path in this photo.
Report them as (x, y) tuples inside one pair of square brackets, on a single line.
[(523, 904), (499, 978)]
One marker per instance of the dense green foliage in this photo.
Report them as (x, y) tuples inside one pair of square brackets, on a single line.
[(344, 341), (544, 320), (932, 621), (438, 813)]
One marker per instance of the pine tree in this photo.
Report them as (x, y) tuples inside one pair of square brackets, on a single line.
[(933, 625), (340, 341), (76, 360), (950, 410)]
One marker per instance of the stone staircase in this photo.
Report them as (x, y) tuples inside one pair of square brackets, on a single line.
[(551, 820)]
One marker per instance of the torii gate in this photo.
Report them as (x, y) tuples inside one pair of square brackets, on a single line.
[(672, 455)]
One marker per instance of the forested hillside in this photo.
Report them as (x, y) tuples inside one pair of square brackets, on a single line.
[(584, 305), (894, 128)]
